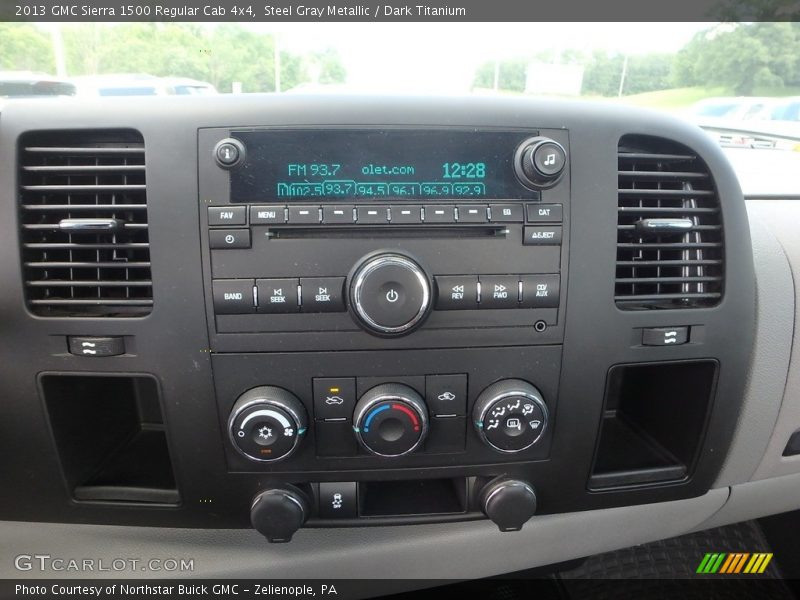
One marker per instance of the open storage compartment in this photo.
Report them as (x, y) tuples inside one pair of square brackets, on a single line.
[(415, 497), (653, 422), (110, 436)]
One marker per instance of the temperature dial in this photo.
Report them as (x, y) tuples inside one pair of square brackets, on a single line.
[(390, 420), (510, 415), (267, 424)]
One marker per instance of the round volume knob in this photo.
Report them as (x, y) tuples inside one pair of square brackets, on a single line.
[(390, 420), (510, 415), (539, 162), (509, 503), (267, 423), (278, 513), (390, 294)]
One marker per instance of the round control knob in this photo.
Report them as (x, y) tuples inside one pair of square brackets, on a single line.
[(539, 162), (267, 423), (390, 294), (510, 415), (229, 153), (390, 420), (278, 513), (509, 503)]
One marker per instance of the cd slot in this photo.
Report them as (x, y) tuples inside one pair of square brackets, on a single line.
[(393, 231)]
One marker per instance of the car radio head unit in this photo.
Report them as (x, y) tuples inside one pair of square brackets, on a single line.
[(378, 164)]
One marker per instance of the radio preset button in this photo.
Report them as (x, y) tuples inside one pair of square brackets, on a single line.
[(542, 236), (457, 292), (406, 214), (227, 215), (277, 295), (472, 213), (233, 296), (440, 213), (267, 215), (322, 294), (337, 214), (304, 215), (229, 238), (499, 291), (545, 213), (372, 215), (506, 213), (540, 291)]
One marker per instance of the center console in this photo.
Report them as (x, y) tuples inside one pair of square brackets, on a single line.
[(351, 312)]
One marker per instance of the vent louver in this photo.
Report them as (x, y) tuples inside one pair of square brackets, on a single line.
[(83, 218), (670, 248)]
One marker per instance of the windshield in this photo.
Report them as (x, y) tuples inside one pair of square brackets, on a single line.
[(744, 76)]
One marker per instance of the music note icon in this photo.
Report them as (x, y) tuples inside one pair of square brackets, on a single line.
[(550, 159)]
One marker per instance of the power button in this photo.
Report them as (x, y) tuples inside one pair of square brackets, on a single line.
[(390, 294)]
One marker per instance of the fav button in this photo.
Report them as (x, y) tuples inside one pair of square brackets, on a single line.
[(227, 215)]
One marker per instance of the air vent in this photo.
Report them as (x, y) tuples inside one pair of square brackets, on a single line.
[(83, 215), (669, 229)]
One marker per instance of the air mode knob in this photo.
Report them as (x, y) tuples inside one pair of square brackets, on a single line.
[(539, 162), (389, 294), (390, 420), (267, 423), (510, 415)]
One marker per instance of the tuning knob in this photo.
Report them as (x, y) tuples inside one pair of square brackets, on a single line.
[(390, 294), (509, 503), (279, 512), (539, 162), (510, 415), (267, 424), (390, 420)]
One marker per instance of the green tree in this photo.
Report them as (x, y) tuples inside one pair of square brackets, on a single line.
[(24, 47), (511, 75)]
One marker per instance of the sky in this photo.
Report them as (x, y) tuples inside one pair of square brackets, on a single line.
[(442, 57)]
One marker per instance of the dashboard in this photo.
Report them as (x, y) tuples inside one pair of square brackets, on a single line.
[(337, 322)]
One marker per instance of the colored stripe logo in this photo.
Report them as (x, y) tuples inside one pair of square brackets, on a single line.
[(733, 563)]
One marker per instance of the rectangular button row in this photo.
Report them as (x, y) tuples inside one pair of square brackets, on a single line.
[(307, 294), (335, 397), (463, 292), (340, 214)]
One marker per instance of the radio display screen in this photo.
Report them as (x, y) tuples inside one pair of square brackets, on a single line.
[(370, 165)]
